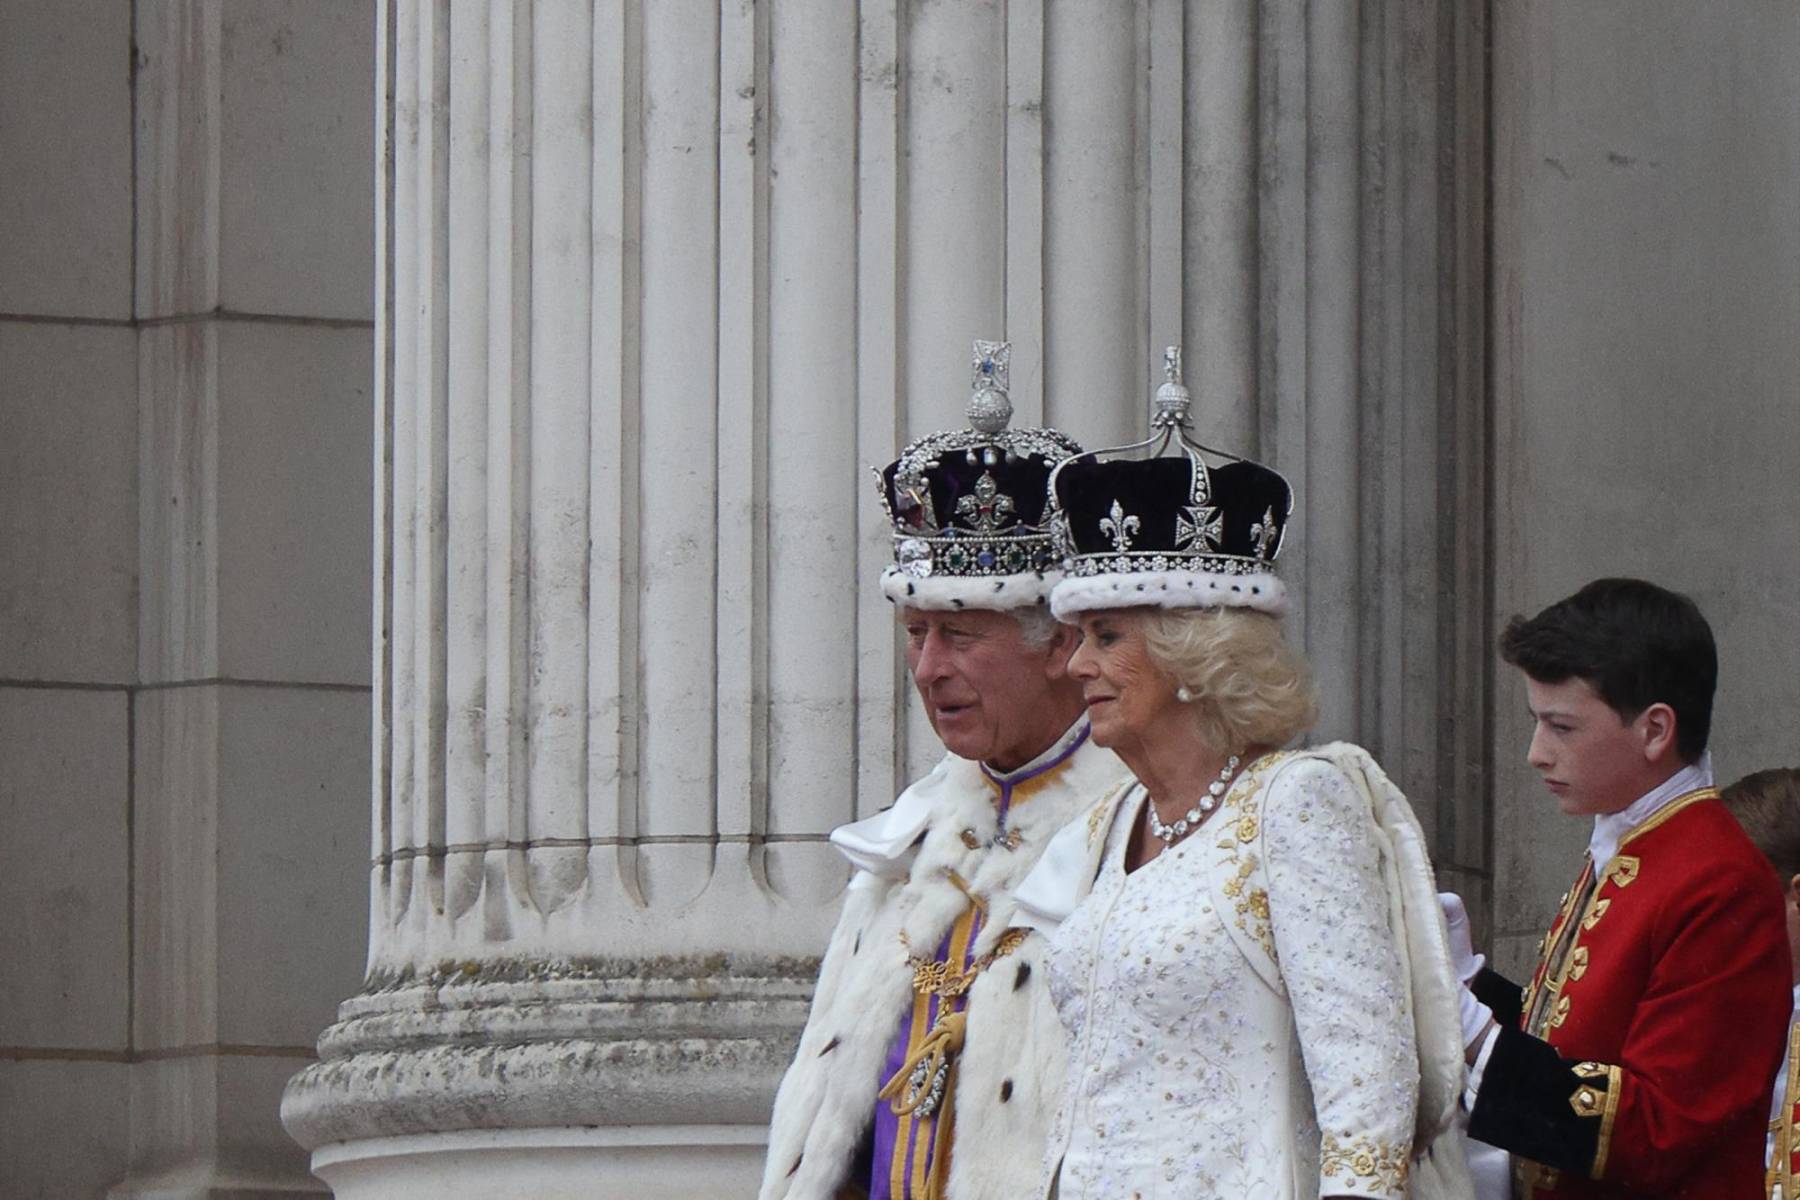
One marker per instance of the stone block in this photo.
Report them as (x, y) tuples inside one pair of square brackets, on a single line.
[(295, 498), (63, 1135), (296, 154), (1515, 956), (252, 843), (176, 50), (255, 522), (63, 868), (204, 1127), (178, 529), (65, 90), (175, 843), (68, 510), (293, 827)]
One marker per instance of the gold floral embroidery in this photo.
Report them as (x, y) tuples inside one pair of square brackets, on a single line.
[(1578, 962), (1105, 808), (1366, 1160), (1095, 816), (1242, 827)]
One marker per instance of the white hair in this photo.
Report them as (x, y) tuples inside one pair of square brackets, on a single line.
[(1036, 625)]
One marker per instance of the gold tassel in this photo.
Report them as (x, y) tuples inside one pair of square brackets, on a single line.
[(914, 1089)]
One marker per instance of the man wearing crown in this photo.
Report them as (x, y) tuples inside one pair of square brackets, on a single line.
[(932, 1054), (1637, 1062)]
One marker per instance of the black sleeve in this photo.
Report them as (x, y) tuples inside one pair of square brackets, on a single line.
[(1501, 994), (1538, 1104)]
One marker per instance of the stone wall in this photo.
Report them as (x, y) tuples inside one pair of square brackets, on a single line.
[(185, 333)]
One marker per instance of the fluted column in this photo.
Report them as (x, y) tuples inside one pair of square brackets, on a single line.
[(587, 918), (658, 281)]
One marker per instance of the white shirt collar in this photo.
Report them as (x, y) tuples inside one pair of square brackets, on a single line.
[(1611, 828)]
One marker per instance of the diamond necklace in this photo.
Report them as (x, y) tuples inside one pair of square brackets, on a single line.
[(1214, 792)]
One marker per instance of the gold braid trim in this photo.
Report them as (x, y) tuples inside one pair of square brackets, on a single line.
[(924, 1088), (934, 1062)]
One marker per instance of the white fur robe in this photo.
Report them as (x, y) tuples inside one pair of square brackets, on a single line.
[(1014, 1054)]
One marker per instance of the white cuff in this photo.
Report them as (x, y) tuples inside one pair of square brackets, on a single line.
[(1475, 1015), (1479, 1068)]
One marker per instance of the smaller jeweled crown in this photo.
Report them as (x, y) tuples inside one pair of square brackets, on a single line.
[(1169, 530), (968, 506)]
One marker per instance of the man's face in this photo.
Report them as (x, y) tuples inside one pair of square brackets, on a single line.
[(1590, 759), (986, 690)]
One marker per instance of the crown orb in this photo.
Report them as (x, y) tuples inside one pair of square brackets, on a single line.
[(1172, 398), (990, 411)]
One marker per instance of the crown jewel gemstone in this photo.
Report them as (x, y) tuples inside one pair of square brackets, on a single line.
[(914, 557)]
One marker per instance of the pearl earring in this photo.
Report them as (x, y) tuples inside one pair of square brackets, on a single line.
[(1183, 695)]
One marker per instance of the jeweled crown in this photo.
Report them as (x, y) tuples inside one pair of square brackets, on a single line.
[(968, 506), (1170, 530)]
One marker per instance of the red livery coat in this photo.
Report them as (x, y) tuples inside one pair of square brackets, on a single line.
[(1653, 1025)]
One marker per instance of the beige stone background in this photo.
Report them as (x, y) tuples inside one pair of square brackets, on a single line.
[(189, 465)]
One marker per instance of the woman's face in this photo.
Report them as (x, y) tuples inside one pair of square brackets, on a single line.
[(1128, 699)]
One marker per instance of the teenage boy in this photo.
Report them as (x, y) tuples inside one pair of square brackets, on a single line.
[(1636, 1063)]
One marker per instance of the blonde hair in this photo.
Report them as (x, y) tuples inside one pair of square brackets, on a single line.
[(1249, 686), (1767, 805)]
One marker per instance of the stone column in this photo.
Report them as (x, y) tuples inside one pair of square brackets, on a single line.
[(656, 284), (600, 777)]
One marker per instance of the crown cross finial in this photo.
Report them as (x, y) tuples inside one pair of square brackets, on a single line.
[(1172, 398), (990, 409), (1119, 526)]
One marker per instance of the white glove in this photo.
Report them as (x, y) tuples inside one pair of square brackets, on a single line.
[(1468, 964)]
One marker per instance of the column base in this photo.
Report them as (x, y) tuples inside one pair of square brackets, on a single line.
[(599, 1078), (665, 1162)]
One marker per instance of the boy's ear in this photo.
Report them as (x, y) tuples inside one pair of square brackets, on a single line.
[(1658, 725)]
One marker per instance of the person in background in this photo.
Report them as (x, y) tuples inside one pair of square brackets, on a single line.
[(1636, 1063), (932, 1053), (1767, 806)]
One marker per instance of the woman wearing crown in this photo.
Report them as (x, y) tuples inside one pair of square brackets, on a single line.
[(1245, 948)]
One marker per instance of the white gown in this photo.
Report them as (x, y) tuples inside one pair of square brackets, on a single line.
[(1237, 1008)]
